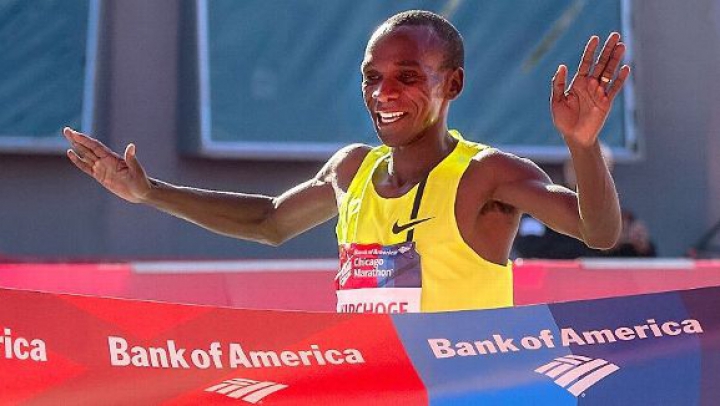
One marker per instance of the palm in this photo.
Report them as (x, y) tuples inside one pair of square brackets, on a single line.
[(579, 112), (115, 173)]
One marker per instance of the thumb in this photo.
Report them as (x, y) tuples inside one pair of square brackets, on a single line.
[(131, 160)]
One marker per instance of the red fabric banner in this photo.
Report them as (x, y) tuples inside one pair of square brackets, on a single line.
[(65, 349)]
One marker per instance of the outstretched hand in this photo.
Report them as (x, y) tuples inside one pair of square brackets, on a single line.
[(123, 176), (579, 112)]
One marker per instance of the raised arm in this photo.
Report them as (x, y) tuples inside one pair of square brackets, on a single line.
[(265, 219), (579, 114), (592, 213)]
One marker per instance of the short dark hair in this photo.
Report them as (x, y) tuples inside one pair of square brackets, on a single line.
[(454, 51)]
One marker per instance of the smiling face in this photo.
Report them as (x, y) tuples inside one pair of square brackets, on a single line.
[(406, 86)]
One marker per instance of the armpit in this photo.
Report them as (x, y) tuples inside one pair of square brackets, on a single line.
[(496, 206)]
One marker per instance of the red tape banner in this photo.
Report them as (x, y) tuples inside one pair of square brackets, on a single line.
[(65, 349), (60, 349)]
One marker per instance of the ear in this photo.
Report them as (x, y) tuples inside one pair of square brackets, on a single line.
[(456, 83)]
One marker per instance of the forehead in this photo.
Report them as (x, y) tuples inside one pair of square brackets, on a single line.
[(404, 44)]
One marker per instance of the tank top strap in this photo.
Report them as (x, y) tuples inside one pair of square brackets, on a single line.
[(346, 228)]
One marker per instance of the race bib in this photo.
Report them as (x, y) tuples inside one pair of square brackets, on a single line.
[(375, 278)]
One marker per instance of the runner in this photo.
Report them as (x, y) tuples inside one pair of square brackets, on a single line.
[(425, 221)]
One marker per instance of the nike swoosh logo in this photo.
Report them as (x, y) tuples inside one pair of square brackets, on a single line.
[(397, 229)]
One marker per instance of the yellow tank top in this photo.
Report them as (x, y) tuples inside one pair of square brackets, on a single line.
[(454, 276)]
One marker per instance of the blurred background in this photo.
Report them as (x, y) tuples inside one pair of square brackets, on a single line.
[(253, 96)]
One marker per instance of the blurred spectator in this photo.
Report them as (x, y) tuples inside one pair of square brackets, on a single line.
[(708, 246), (634, 240)]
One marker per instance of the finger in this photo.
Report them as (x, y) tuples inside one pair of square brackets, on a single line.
[(600, 93), (558, 84), (75, 159), (75, 136), (587, 56), (605, 54), (97, 147), (84, 152), (612, 64), (131, 160), (618, 82)]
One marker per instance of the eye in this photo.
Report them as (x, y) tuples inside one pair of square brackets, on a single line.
[(370, 77), (408, 76)]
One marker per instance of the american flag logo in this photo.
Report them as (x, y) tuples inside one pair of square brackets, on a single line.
[(247, 390), (577, 373)]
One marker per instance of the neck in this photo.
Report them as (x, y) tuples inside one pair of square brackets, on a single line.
[(411, 163)]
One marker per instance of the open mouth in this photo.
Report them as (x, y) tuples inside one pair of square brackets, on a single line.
[(389, 117)]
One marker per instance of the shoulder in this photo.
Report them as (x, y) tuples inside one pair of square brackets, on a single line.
[(344, 164), (503, 167)]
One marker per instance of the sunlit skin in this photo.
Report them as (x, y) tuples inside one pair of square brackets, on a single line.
[(408, 90), (403, 74)]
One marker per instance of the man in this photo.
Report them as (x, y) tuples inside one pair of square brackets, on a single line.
[(426, 221)]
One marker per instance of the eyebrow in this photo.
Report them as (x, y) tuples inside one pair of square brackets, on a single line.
[(404, 63)]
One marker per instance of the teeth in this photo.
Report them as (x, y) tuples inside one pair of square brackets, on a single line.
[(390, 117)]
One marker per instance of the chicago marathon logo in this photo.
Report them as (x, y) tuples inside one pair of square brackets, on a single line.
[(577, 373), (246, 389)]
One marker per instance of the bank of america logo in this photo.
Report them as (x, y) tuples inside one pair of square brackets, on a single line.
[(246, 389), (577, 373)]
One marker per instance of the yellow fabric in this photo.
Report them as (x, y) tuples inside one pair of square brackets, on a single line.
[(454, 277)]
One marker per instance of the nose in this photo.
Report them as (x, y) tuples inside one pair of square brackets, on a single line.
[(385, 91)]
